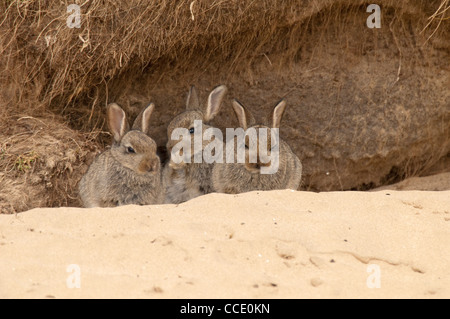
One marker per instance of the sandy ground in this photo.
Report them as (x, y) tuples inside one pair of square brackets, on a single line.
[(282, 244), (439, 182)]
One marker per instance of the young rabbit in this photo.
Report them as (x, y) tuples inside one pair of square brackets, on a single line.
[(129, 172), (245, 177), (185, 181)]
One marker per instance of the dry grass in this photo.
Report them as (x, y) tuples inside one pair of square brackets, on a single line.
[(439, 16), (41, 161)]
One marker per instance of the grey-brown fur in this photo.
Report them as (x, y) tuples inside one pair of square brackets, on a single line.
[(120, 177), (189, 180), (241, 178), (187, 183)]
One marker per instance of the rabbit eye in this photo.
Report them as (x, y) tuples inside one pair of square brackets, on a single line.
[(131, 150), (191, 130)]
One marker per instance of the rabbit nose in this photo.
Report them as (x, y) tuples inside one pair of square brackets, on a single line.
[(153, 167), (149, 166)]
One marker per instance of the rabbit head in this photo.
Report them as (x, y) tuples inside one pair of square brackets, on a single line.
[(133, 149), (187, 120), (260, 141)]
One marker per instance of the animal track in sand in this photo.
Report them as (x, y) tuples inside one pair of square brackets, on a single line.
[(317, 261), (316, 282), (163, 241), (368, 260), (445, 214), (320, 263), (286, 256), (270, 285), (287, 250), (439, 213), (414, 205), (229, 233), (158, 290)]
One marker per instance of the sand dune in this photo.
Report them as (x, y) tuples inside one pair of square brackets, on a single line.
[(279, 244)]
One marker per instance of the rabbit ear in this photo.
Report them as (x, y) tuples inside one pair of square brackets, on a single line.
[(244, 116), (277, 114), (192, 103), (117, 121), (214, 102), (142, 122)]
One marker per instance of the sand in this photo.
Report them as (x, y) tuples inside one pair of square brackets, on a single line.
[(439, 182), (281, 244)]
